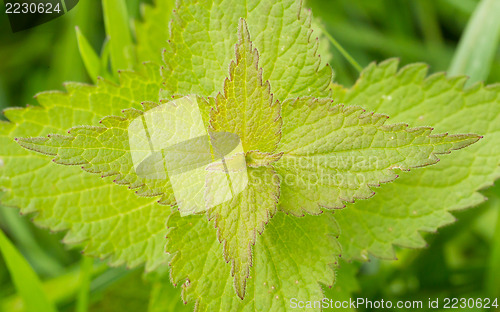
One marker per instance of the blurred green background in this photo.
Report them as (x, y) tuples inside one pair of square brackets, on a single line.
[(463, 260)]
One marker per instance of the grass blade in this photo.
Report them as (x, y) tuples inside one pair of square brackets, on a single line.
[(479, 42), (24, 238), (118, 31), (86, 266), (89, 56), (24, 278), (105, 61)]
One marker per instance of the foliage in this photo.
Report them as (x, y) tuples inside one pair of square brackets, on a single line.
[(297, 131)]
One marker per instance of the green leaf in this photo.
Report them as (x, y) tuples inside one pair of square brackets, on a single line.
[(239, 220), (324, 51), (27, 283), (247, 108), (118, 31), (106, 150), (111, 221), (203, 34), (291, 258), (334, 153), (421, 200)]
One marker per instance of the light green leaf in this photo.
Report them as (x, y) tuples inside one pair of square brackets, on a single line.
[(104, 150), (324, 51), (111, 221), (421, 200), (239, 220), (291, 258), (203, 34), (334, 154), (27, 283), (247, 108)]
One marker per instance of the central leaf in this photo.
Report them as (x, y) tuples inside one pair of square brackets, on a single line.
[(247, 109)]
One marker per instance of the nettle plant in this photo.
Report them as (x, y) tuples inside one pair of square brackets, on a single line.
[(310, 147)]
